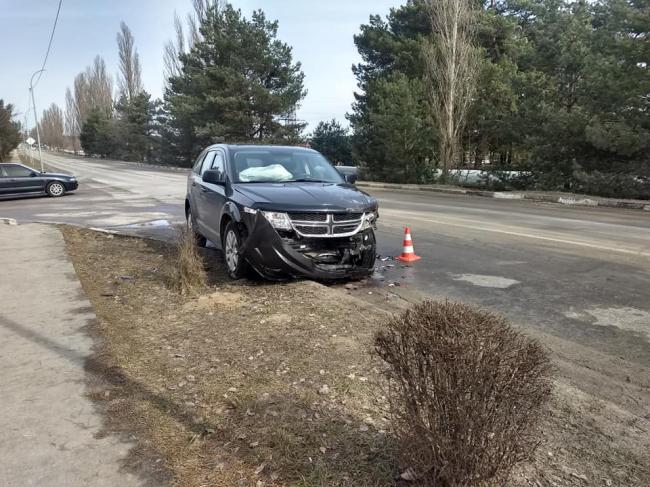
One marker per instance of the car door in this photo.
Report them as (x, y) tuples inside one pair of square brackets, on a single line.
[(4, 181), (215, 194), (201, 200), (21, 179), (194, 188)]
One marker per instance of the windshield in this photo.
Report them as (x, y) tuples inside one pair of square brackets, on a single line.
[(266, 165)]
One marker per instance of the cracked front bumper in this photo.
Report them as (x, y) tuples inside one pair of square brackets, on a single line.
[(274, 258)]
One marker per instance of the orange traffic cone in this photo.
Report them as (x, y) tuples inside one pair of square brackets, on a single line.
[(408, 254)]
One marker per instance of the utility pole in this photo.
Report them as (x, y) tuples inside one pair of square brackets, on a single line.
[(38, 134)]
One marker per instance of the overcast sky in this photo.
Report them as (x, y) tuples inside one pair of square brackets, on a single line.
[(319, 31)]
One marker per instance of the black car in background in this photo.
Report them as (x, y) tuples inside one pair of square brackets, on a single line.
[(16, 179), (284, 211)]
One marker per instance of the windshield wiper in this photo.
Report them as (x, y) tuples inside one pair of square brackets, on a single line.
[(307, 180)]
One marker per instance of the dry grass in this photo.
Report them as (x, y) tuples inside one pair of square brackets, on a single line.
[(227, 388), (466, 392), (192, 278)]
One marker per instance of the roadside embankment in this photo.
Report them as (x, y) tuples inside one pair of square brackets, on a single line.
[(570, 199), (273, 383)]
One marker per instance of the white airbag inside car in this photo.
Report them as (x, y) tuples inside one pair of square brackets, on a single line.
[(273, 172)]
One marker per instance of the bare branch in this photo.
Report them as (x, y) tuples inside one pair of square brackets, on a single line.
[(93, 89), (186, 37), (51, 127), (130, 78), (452, 71)]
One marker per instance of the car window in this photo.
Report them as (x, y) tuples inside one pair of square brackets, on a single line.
[(219, 164), (17, 171), (207, 162), (282, 165), (197, 164)]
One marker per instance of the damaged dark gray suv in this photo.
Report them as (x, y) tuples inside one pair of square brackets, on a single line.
[(284, 211)]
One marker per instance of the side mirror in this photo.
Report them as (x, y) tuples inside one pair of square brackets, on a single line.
[(33, 175), (214, 177), (350, 178)]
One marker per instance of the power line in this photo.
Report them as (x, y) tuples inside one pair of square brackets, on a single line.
[(49, 45)]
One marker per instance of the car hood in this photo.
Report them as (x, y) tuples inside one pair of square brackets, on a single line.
[(57, 175), (306, 196)]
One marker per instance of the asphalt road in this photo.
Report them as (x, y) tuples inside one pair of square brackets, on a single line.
[(581, 274)]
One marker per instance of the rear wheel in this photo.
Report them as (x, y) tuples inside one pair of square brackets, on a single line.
[(232, 241), (55, 189), (201, 241)]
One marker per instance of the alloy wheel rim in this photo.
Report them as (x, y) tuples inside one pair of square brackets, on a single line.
[(56, 189), (232, 256)]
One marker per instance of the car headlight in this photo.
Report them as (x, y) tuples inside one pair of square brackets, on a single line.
[(278, 220), (369, 220)]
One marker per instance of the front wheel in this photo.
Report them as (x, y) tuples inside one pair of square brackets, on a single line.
[(55, 189), (232, 241), (369, 255)]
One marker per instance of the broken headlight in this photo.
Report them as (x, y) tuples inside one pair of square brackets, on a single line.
[(279, 221), (369, 220)]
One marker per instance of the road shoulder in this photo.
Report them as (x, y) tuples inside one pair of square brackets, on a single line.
[(273, 384), (567, 199)]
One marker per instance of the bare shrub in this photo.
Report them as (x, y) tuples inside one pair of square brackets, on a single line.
[(466, 392), (192, 278)]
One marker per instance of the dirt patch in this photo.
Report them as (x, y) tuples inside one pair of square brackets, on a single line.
[(218, 300), (271, 384)]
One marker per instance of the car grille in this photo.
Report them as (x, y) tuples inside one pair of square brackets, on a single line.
[(342, 217), (326, 224), (311, 230), (308, 217), (345, 229)]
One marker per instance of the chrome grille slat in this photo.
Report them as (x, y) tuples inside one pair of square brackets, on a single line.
[(347, 217), (308, 217), (326, 224)]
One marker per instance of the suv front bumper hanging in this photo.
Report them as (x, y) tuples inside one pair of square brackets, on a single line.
[(274, 258)]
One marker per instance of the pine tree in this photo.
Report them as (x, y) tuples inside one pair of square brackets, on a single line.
[(97, 134), (333, 141), (132, 127), (235, 84), (9, 130)]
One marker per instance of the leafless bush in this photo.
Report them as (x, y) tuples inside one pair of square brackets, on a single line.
[(192, 278), (466, 392)]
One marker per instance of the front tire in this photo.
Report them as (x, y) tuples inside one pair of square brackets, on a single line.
[(369, 256), (232, 241), (200, 240), (55, 189)]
